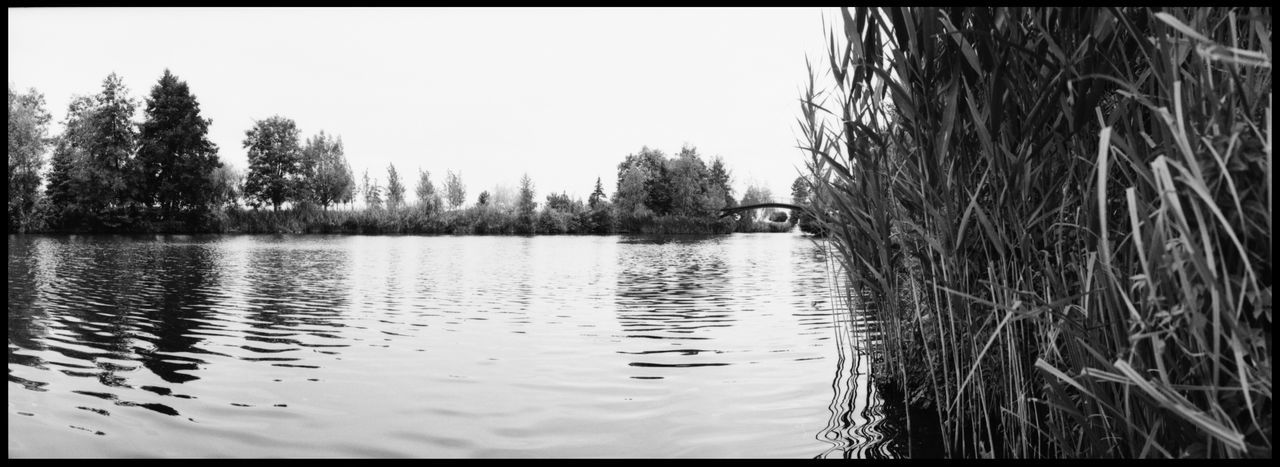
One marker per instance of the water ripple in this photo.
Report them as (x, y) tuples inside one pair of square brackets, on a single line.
[(630, 346)]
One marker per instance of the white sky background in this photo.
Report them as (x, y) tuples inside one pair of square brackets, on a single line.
[(563, 94)]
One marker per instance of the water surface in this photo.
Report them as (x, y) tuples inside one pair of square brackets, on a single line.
[(370, 346)]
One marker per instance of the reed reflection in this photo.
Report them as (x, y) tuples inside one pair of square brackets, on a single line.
[(857, 427)]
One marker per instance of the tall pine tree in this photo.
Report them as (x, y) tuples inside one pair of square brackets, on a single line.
[(108, 140), (175, 157), (92, 158), (597, 196)]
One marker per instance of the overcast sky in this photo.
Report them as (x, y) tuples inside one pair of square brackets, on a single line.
[(562, 94)]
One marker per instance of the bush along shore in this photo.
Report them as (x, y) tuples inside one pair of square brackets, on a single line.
[(110, 174), (1061, 218), (476, 220)]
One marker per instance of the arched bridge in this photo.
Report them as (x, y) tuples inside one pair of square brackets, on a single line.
[(736, 209)]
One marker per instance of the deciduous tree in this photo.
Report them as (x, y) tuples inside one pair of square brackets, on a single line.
[(428, 200), (372, 192), (328, 175), (455, 190), (226, 182), (395, 189), (28, 140), (755, 194), (690, 184), (275, 162)]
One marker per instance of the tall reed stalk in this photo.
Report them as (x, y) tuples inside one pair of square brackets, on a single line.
[(1061, 218)]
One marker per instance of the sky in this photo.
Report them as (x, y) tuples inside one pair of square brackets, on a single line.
[(562, 94)]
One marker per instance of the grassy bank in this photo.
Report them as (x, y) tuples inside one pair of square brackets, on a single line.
[(1062, 217)]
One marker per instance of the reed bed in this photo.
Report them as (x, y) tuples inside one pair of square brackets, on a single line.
[(1061, 218)]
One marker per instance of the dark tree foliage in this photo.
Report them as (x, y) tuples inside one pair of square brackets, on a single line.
[(484, 198), (600, 220), (59, 189), (692, 189), (88, 181), (108, 140), (562, 202), (800, 197), (597, 196), (652, 170), (661, 191), (175, 157), (275, 162), (682, 190), (800, 191), (67, 157), (720, 181)]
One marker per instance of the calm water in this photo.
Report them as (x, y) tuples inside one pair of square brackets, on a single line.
[(249, 346)]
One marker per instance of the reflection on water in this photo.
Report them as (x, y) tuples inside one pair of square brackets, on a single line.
[(672, 291), (632, 346)]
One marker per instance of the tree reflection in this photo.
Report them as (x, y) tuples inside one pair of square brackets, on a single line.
[(92, 299), (180, 299), (27, 316), (671, 293), (294, 292), (107, 304)]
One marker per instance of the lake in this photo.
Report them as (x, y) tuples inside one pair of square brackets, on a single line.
[(437, 346)]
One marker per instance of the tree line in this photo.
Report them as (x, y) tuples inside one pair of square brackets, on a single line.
[(108, 173)]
